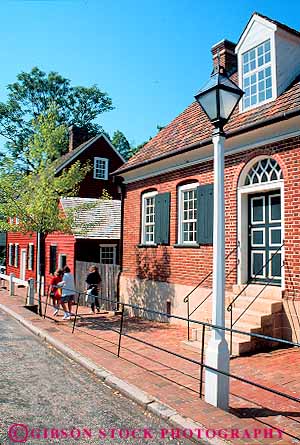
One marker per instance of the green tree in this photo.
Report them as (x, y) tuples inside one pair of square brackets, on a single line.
[(32, 95), (121, 143), (33, 196)]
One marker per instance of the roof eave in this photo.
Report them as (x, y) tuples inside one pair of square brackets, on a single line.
[(263, 122)]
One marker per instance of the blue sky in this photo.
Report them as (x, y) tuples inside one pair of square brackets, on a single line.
[(150, 56)]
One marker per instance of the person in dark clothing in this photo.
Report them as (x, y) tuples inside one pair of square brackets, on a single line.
[(93, 281)]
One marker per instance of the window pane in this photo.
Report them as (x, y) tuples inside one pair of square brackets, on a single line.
[(260, 81), (187, 231)]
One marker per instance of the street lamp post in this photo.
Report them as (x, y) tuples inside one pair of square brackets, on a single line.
[(218, 99)]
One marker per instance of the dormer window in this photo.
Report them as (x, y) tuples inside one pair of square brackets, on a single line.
[(257, 75)]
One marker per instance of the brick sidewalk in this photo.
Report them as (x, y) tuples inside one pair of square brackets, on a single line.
[(175, 381)]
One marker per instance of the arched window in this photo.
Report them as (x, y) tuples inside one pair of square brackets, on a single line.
[(264, 170)]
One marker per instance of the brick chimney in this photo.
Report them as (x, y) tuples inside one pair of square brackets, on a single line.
[(228, 58), (77, 135)]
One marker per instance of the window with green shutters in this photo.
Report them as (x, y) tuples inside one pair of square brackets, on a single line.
[(155, 218), (195, 214), (148, 218), (187, 217)]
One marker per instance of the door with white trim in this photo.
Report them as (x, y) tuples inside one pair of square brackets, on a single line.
[(23, 264), (265, 237)]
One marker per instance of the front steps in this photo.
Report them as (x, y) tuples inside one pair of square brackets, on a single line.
[(257, 310)]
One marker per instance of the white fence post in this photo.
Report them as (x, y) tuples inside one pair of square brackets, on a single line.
[(11, 284), (30, 299)]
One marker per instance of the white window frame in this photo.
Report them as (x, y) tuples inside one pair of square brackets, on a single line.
[(30, 256), (271, 254), (181, 189), (257, 198), (272, 65), (10, 220), (17, 252), (263, 253), (114, 247), (10, 254), (146, 196), (17, 220), (258, 229), (95, 175), (270, 236)]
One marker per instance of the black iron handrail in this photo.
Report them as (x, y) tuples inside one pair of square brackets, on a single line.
[(187, 297), (201, 363), (249, 282)]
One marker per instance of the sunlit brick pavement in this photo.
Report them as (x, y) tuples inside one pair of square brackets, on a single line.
[(176, 382)]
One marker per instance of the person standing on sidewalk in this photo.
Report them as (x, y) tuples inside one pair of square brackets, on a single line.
[(55, 292), (68, 292), (93, 281)]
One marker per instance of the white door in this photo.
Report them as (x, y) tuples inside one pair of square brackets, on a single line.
[(23, 264)]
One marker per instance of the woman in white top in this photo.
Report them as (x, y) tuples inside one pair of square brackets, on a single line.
[(68, 292)]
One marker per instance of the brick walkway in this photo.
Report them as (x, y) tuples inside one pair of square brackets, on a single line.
[(176, 381)]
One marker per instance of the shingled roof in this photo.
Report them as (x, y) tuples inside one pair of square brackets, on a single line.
[(64, 160), (192, 128), (95, 218)]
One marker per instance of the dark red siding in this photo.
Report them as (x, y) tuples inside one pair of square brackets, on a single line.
[(65, 244), (90, 187), (23, 240)]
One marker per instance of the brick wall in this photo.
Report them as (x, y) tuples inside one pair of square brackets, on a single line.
[(189, 265)]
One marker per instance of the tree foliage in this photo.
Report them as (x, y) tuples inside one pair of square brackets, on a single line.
[(33, 196), (121, 143), (32, 95)]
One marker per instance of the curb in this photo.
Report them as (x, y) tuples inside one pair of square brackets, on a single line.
[(145, 400)]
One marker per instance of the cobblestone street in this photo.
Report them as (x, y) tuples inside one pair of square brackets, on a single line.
[(42, 389)]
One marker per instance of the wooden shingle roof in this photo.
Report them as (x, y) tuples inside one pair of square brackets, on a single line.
[(95, 218)]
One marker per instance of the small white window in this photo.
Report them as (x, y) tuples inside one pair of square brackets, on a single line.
[(148, 218), (108, 254), (187, 214), (10, 220), (101, 168), (257, 75), (17, 221), (16, 262), (10, 254), (30, 256)]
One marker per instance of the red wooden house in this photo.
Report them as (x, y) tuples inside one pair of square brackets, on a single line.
[(58, 249), (167, 237)]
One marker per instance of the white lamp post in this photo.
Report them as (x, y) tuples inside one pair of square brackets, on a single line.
[(218, 99)]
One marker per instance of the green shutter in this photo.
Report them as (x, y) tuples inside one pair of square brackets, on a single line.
[(205, 209), (162, 218)]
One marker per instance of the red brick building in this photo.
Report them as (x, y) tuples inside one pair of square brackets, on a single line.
[(58, 249), (168, 211)]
